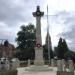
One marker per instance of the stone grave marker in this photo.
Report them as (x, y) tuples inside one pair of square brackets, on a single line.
[(7, 64), (63, 65), (52, 62), (15, 63), (28, 62), (59, 65), (71, 66)]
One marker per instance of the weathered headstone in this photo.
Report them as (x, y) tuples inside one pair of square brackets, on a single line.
[(52, 62), (59, 65), (15, 63), (55, 60), (71, 66), (3, 63), (63, 65), (7, 64), (28, 62)]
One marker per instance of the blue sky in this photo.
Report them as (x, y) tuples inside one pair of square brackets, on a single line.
[(14, 13)]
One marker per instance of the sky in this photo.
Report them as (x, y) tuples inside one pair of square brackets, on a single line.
[(14, 13)]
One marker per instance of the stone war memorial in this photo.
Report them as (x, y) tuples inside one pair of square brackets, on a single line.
[(38, 49), (57, 67)]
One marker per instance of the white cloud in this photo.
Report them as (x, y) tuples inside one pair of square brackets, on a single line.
[(14, 13), (4, 29), (60, 5)]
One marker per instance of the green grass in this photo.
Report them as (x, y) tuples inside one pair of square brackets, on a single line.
[(64, 73), (23, 64), (9, 72)]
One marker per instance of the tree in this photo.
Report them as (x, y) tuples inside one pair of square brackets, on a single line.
[(65, 47), (26, 42), (62, 48), (45, 51), (59, 48), (70, 55), (55, 51)]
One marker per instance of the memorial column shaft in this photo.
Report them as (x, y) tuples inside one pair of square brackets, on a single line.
[(38, 31)]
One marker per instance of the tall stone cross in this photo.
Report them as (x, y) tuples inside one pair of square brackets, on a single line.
[(38, 49)]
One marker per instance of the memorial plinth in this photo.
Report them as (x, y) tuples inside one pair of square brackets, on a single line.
[(39, 57)]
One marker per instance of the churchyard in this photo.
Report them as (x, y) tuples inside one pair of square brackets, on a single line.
[(55, 66), (16, 67)]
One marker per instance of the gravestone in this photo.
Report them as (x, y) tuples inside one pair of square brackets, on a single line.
[(71, 66), (4, 64), (7, 64), (15, 63), (63, 65), (28, 62), (3, 60), (52, 62), (59, 65)]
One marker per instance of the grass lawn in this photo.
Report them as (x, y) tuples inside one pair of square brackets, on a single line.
[(64, 73), (9, 72)]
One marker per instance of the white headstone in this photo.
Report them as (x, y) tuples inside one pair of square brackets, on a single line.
[(63, 65), (59, 65), (3, 63), (28, 62), (7, 64), (71, 66), (52, 63), (15, 63)]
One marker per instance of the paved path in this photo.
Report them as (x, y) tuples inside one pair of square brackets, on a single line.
[(22, 71)]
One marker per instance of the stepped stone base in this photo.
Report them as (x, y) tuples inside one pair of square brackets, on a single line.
[(23, 71), (39, 68)]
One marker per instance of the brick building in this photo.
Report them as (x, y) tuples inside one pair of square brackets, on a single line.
[(7, 50)]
